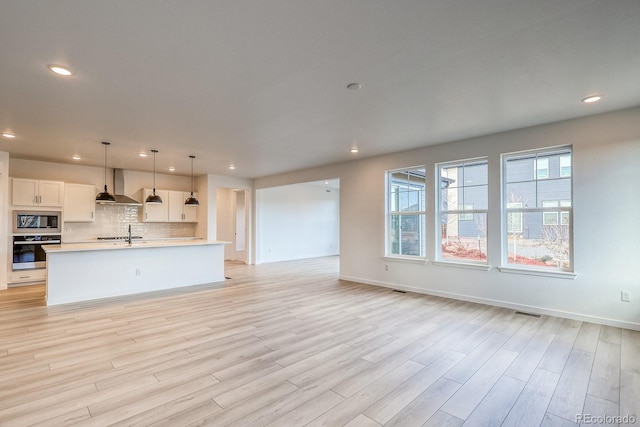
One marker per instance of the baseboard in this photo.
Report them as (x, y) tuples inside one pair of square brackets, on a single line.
[(505, 304)]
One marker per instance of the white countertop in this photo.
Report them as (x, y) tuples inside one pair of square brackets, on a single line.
[(119, 245)]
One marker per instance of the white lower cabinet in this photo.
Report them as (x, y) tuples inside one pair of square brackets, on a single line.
[(24, 276)]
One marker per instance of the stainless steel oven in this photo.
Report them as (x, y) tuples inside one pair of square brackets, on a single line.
[(36, 222), (28, 253)]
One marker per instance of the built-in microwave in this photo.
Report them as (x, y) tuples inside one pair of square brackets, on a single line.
[(36, 222)]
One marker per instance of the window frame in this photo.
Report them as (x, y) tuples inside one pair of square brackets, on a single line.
[(389, 214), (462, 212), (564, 209)]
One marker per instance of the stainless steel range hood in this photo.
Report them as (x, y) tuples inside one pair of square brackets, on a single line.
[(118, 189)]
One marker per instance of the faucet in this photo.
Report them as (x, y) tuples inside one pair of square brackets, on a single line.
[(129, 235)]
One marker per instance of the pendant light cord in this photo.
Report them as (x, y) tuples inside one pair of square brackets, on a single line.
[(192, 157), (154, 171)]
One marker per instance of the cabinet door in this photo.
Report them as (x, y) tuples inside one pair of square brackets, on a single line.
[(176, 202), (190, 212), (156, 212), (50, 193), (24, 192), (79, 203)]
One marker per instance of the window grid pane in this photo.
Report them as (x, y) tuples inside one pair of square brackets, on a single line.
[(537, 211), (407, 218), (464, 187)]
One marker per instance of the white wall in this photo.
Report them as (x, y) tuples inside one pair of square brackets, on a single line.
[(225, 225), (298, 221), (207, 186), (606, 174), (5, 261), (240, 224)]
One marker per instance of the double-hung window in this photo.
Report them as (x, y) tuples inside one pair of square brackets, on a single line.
[(462, 211), (406, 212), (537, 210)]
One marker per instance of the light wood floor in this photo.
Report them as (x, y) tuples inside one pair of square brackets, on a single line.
[(288, 344)]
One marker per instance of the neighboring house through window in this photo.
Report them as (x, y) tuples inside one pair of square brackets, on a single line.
[(462, 211), (406, 216), (538, 231)]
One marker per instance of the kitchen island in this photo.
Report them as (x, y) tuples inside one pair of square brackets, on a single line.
[(86, 271)]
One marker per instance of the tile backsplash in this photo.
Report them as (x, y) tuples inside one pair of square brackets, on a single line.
[(112, 221)]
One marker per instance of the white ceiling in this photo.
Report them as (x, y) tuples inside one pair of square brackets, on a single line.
[(262, 84)]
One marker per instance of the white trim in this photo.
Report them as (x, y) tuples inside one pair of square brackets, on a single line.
[(504, 304), (459, 264), (412, 260), (534, 272)]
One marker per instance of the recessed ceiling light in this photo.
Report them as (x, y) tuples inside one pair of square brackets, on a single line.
[(142, 154), (172, 169), (590, 99), (76, 157), (353, 150), (61, 70), (8, 135), (326, 183), (232, 166), (354, 86)]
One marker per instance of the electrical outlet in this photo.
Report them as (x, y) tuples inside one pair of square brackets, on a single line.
[(386, 267), (137, 271), (625, 296)]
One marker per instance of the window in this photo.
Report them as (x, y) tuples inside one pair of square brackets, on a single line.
[(514, 219), (406, 205), (550, 218), (565, 166), (466, 207), (462, 211), (542, 168), (538, 211)]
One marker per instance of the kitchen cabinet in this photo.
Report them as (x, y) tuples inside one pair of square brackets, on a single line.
[(152, 212), (79, 203), (178, 211), (25, 276), (31, 192)]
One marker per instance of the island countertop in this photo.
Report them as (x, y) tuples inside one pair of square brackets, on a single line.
[(136, 244)]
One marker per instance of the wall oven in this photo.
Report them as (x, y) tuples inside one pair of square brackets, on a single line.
[(28, 252), (31, 231)]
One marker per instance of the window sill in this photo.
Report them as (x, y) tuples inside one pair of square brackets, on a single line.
[(531, 272), (468, 265), (416, 260)]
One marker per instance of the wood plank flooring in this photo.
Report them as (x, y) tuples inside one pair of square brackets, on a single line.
[(288, 344)]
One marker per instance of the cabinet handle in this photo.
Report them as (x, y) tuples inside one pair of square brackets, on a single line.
[(24, 277), (91, 215)]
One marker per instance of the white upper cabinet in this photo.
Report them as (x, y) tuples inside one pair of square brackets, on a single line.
[(178, 211), (153, 212), (31, 192), (79, 203)]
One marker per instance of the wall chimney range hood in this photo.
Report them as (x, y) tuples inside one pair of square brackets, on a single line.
[(118, 189)]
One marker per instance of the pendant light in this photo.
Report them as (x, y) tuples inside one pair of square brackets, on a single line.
[(105, 197), (191, 200), (153, 197)]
